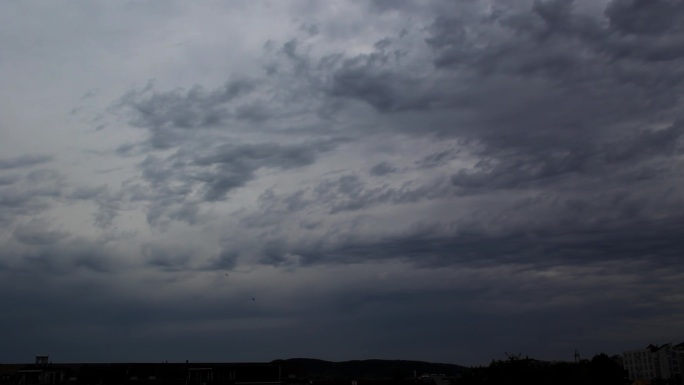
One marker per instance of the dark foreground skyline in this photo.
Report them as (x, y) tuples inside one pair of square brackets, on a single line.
[(599, 370), (440, 180)]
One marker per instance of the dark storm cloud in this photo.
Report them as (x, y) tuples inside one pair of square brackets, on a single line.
[(387, 5), (9, 179), (54, 253), (545, 245), (348, 193), (30, 194), (560, 104), (551, 41), (167, 258), (205, 161), (234, 165), (23, 161), (581, 81), (108, 204), (169, 115), (37, 232), (370, 78), (520, 170), (437, 159), (125, 149), (382, 168), (212, 171), (299, 61), (545, 98), (645, 17), (573, 223), (509, 175), (560, 145), (226, 260), (192, 109)]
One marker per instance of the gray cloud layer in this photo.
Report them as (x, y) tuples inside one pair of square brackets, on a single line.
[(503, 176)]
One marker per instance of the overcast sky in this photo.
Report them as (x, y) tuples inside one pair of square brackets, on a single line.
[(442, 180)]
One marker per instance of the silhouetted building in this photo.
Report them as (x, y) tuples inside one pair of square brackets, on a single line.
[(45, 373), (655, 362)]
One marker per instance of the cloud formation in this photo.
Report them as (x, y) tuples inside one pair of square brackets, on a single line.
[(498, 175)]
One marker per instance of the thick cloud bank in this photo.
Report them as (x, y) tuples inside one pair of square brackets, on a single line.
[(441, 180)]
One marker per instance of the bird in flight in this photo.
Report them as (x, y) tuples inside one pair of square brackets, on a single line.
[(253, 299)]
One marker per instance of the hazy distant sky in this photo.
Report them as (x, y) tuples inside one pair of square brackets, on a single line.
[(442, 180)]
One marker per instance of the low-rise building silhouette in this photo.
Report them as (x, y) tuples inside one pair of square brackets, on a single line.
[(664, 362), (43, 372)]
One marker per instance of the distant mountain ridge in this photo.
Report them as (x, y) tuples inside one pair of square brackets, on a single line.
[(372, 368)]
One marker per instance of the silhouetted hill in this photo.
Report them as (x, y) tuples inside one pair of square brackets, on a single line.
[(379, 369)]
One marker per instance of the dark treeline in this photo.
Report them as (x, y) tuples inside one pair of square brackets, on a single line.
[(398, 370), (516, 370)]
